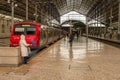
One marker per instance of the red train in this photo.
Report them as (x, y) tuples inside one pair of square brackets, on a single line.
[(35, 33)]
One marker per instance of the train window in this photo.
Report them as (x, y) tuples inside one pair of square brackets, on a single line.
[(31, 31), (19, 31), (25, 29)]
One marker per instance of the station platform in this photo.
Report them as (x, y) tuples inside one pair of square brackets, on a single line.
[(83, 61)]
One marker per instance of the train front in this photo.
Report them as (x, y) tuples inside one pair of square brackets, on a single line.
[(31, 32)]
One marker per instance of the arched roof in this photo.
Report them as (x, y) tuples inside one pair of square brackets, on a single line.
[(53, 9)]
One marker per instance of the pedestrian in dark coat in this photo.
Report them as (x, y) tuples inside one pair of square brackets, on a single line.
[(71, 38)]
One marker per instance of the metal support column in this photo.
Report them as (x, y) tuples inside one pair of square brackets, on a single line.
[(70, 27), (118, 35), (111, 17), (100, 33), (97, 28), (97, 22), (40, 13), (105, 25), (26, 9), (36, 13), (87, 29), (119, 18), (12, 12)]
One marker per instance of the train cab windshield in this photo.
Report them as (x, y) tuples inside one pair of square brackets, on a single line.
[(25, 29)]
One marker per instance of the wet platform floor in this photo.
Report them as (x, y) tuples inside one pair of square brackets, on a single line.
[(84, 61)]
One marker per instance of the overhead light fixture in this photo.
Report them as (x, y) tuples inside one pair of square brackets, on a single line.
[(16, 5)]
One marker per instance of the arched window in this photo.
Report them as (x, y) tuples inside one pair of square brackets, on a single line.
[(73, 16)]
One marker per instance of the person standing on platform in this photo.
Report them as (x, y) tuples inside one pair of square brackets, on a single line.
[(24, 48), (71, 38), (77, 35), (67, 35)]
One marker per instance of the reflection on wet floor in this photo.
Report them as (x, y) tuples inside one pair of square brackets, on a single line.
[(80, 48), (83, 61), (4, 42)]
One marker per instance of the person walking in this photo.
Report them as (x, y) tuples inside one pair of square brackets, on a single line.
[(24, 48), (77, 34), (71, 37)]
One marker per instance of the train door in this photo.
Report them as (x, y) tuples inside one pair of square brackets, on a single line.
[(43, 37)]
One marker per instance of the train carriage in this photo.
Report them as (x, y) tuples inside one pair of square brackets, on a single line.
[(35, 33)]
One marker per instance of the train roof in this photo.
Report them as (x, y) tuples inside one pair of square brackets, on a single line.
[(27, 22)]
